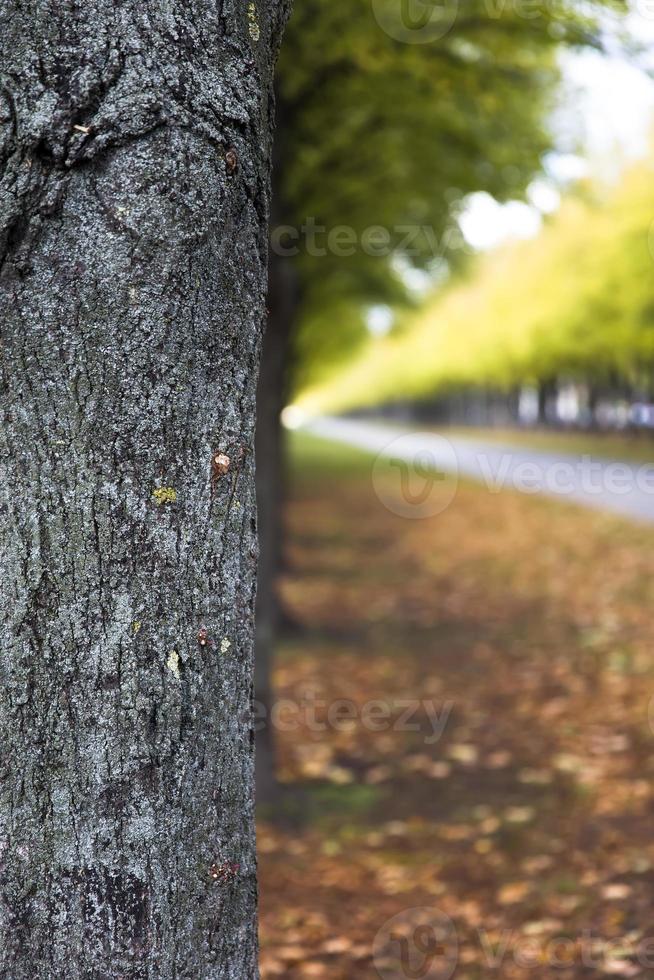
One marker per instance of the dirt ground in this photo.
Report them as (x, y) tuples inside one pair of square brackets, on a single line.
[(465, 738)]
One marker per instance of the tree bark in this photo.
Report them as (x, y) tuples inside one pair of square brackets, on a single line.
[(134, 198)]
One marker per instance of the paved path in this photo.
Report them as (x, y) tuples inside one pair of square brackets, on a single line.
[(612, 485)]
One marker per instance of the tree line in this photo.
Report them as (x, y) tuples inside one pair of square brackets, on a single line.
[(568, 314)]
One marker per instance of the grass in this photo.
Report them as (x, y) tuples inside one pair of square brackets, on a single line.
[(312, 458)]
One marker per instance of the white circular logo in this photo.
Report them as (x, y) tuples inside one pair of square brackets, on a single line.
[(417, 944), (416, 475), (415, 21)]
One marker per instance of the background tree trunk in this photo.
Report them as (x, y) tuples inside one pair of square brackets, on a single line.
[(272, 392), (134, 193), (271, 395)]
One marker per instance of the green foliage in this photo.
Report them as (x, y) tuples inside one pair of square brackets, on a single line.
[(575, 302), (373, 131)]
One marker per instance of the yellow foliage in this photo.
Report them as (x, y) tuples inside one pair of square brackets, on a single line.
[(575, 300)]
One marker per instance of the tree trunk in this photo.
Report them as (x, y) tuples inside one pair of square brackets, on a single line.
[(271, 394), (283, 302), (546, 390), (133, 194)]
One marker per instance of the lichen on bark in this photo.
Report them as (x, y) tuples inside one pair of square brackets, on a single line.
[(132, 297)]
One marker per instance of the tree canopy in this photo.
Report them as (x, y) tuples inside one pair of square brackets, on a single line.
[(385, 139)]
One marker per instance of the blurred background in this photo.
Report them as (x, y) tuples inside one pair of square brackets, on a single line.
[(455, 450)]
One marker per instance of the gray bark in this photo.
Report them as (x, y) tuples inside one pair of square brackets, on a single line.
[(133, 195)]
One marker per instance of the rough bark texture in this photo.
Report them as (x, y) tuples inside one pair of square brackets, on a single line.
[(134, 194)]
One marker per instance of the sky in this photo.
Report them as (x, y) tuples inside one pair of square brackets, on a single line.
[(609, 104)]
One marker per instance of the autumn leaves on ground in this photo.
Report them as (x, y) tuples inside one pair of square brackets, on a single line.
[(465, 738)]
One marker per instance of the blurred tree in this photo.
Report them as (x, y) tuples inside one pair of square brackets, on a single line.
[(574, 303), (383, 130)]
